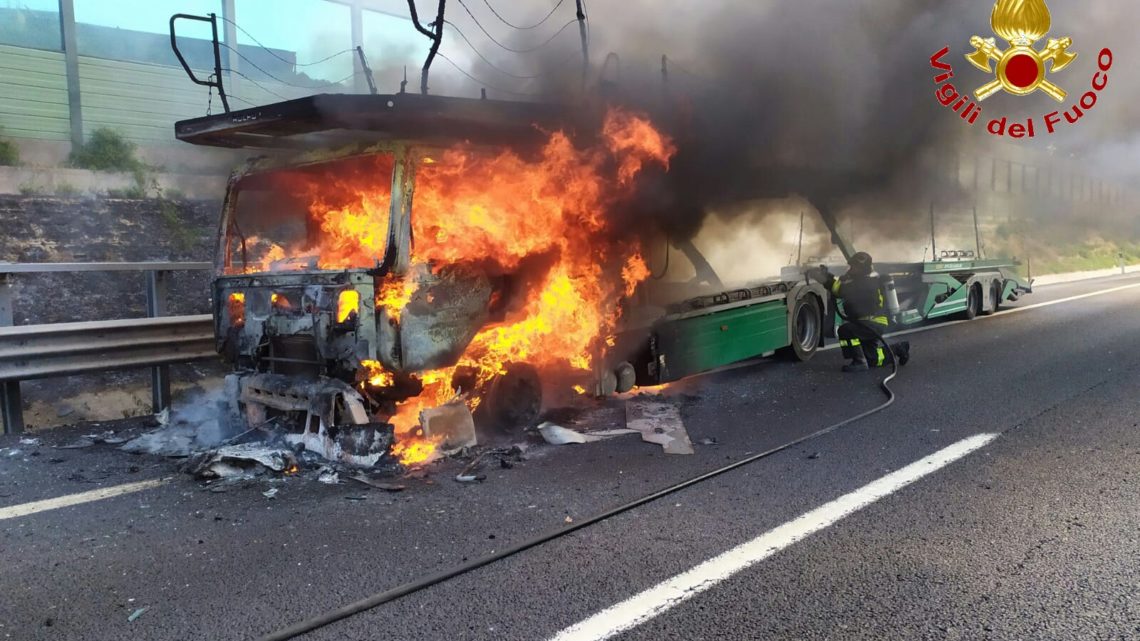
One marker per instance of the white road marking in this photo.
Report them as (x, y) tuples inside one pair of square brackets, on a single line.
[(656, 600), (24, 509), (1005, 312)]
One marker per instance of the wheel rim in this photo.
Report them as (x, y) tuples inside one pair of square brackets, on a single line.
[(807, 327)]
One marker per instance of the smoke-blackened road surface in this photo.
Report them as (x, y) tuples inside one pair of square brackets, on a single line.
[(1032, 536)]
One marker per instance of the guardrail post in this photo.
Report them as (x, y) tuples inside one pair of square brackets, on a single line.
[(156, 289), (11, 404)]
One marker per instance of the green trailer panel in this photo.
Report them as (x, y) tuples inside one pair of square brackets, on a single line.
[(691, 344), (957, 296)]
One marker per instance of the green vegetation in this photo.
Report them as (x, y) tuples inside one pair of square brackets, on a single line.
[(31, 190), (9, 153), (107, 150), (1089, 256), (1058, 255), (171, 214), (66, 190), (134, 192)]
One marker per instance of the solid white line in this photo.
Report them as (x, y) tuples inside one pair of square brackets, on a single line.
[(672, 592), (25, 509), (1005, 312)]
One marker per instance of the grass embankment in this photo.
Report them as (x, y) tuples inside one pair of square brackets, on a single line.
[(1060, 255)]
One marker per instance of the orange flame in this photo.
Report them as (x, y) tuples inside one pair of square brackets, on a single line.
[(347, 304), (394, 293), (375, 374), (633, 273), (280, 301), (236, 307), (547, 217)]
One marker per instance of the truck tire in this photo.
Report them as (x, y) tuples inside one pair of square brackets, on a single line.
[(512, 402), (626, 377), (973, 302), (995, 295), (806, 329)]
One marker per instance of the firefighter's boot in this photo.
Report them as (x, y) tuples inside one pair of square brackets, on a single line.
[(902, 351), (858, 362)]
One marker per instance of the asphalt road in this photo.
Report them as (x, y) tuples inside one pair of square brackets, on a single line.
[(1035, 535)]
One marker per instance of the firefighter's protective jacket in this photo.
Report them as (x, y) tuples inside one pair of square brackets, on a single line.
[(863, 297)]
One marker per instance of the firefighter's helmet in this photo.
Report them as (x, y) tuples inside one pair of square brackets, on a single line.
[(861, 263)]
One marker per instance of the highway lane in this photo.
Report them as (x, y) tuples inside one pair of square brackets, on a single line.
[(235, 565)]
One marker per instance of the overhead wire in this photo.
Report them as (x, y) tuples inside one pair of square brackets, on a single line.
[(269, 75), (484, 58), (281, 58), (259, 85), (512, 49), (481, 82), (514, 26)]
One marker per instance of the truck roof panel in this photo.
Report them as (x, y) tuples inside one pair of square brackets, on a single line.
[(331, 119)]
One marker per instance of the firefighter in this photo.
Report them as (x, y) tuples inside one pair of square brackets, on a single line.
[(865, 297)]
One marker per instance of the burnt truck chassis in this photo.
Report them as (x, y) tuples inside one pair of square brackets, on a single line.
[(294, 353)]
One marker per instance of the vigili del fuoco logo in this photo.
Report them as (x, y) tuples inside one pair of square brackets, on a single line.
[(1019, 69)]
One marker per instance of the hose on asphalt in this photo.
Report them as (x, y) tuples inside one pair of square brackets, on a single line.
[(387, 596)]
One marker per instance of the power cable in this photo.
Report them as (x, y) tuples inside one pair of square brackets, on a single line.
[(271, 76), (493, 65), (480, 82), (259, 85), (513, 26), (674, 65), (274, 54), (381, 598), (512, 49)]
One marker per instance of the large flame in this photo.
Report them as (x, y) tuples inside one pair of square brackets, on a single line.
[(1021, 21), (498, 211)]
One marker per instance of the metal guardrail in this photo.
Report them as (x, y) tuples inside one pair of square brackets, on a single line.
[(61, 349)]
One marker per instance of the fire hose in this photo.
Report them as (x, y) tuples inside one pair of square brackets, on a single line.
[(387, 596)]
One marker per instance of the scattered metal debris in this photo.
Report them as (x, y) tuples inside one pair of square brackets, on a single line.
[(270, 493), (109, 437), (470, 478), (247, 460), (136, 614), (708, 441), (354, 441), (76, 445), (558, 435), (659, 422), (452, 423), (33, 442), (328, 476), (379, 485)]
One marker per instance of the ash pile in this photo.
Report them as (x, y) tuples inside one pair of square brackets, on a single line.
[(296, 432), (268, 424)]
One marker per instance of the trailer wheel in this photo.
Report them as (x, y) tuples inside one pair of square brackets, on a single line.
[(974, 302), (995, 294), (806, 330)]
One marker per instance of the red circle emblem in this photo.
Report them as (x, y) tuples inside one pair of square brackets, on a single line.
[(1021, 71)]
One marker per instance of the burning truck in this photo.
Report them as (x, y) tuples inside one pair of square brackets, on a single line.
[(397, 269)]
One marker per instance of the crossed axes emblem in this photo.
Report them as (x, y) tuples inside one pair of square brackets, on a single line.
[(987, 51)]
